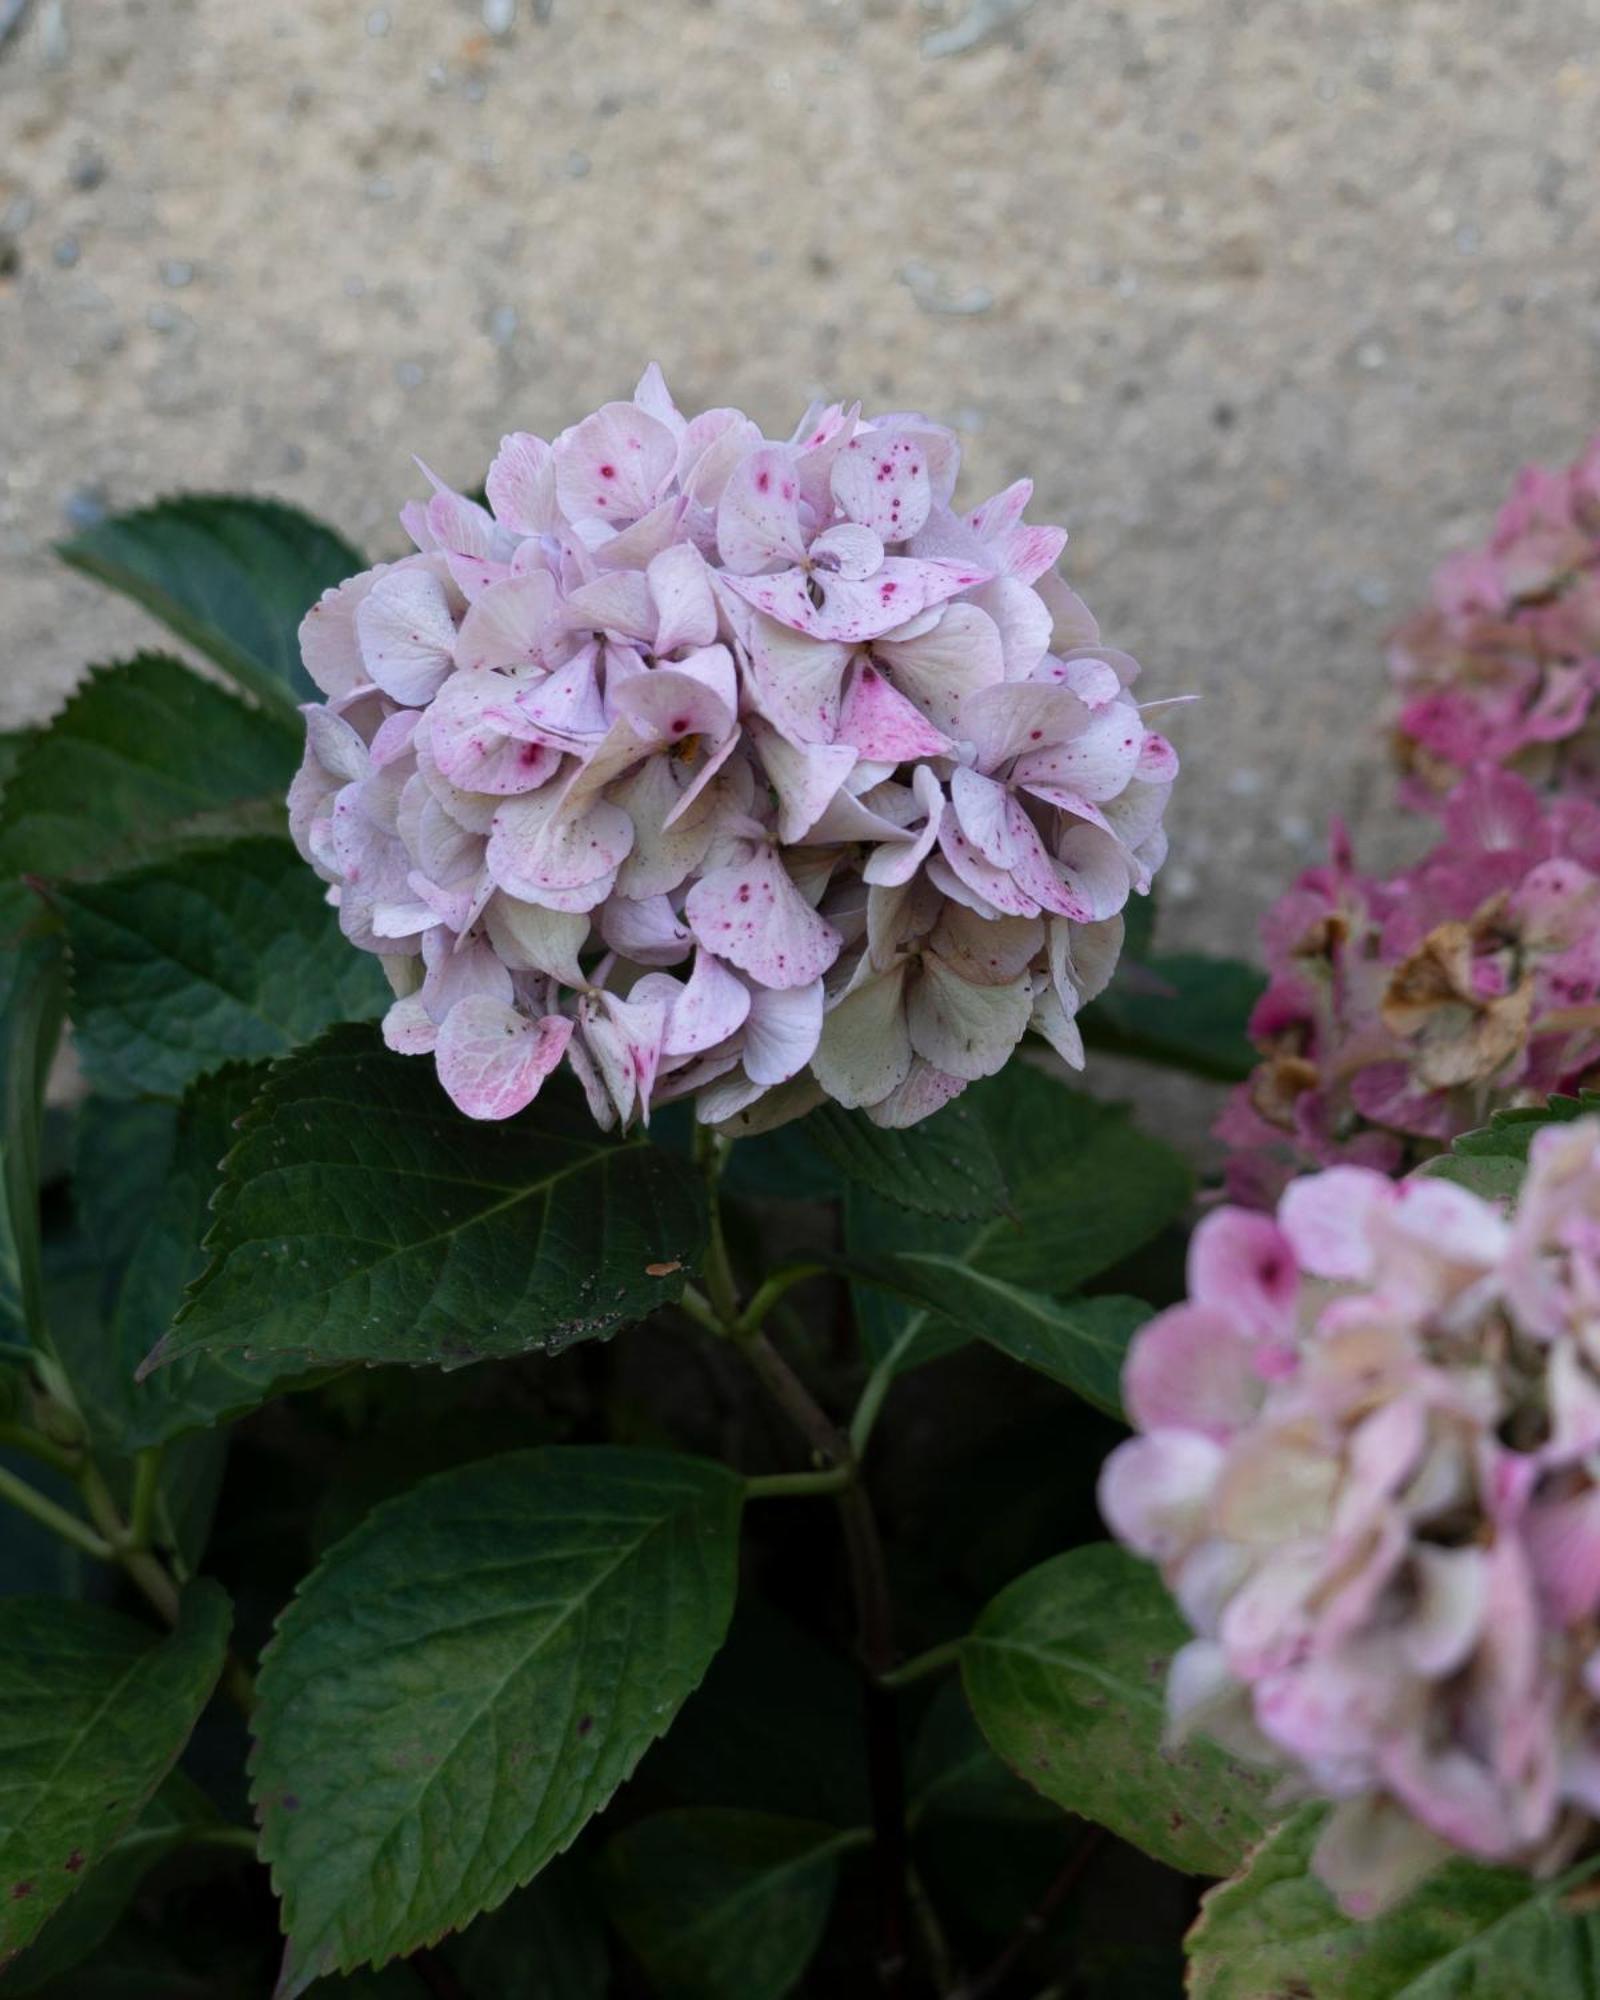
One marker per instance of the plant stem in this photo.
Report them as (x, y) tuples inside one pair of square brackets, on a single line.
[(712, 1152), (934, 1661), (698, 1307), (17, 1437), (754, 1316), (146, 1571), (718, 1311), (45, 1511), (796, 1401), (878, 1385), (146, 1493), (798, 1485)]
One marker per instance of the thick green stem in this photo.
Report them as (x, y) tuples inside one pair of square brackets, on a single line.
[(145, 1571), (798, 1485), (18, 1437), (772, 1289), (146, 1495), (934, 1661), (45, 1511), (712, 1152)]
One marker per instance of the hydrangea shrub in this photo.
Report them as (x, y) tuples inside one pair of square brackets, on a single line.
[(608, 1508)]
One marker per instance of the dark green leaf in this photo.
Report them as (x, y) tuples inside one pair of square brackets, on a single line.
[(362, 1217), (232, 576), (1079, 1343), (143, 754), (178, 1814), (31, 993), (14, 746), (720, 1905), (945, 1166), (1065, 1671), (1087, 1189), (1469, 1933), (93, 1714), (468, 1678), (952, 1770), (165, 1256), (224, 953), (1492, 1160), (1183, 1011)]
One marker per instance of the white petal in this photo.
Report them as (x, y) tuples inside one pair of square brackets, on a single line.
[(781, 1032), (865, 1049), (752, 915), (492, 1060), (965, 1029), (531, 939), (407, 635)]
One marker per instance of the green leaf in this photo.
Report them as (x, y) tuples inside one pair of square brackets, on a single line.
[(363, 1218), (723, 1905), (1079, 1343), (1065, 1671), (952, 1770), (32, 988), (1468, 1933), (945, 1166), (232, 576), (143, 755), (93, 1714), (468, 1678), (1087, 1189), (188, 963), (178, 1814), (1492, 1160), (167, 1193), (1185, 1011)]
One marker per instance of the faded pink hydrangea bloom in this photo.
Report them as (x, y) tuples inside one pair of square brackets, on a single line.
[(1402, 1012), (724, 768), (1369, 1468), (1503, 667)]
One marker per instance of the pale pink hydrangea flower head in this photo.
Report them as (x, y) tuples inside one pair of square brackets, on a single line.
[(717, 767), (1368, 1464), (1400, 1012), (1503, 666)]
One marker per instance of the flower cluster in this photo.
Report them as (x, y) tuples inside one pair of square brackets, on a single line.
[(1401, 1012), (720, 767), (1369, 1467), (1503, 667)]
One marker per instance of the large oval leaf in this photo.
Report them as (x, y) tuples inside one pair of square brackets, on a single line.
[(233, 576), (362, 1218), (1065, 1671), (146, 1176), (145, 754), (469, 1676), (188, 963), (93, 1713), (1469, 1933)]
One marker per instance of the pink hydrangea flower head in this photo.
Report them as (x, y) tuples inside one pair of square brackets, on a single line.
[(1368, 1464), (722, 767), (1503, 666), (1403, 1011)]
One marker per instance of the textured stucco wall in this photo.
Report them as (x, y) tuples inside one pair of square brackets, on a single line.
[(1270, 298)]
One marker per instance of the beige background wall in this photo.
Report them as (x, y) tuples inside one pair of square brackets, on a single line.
[(1270, 298)]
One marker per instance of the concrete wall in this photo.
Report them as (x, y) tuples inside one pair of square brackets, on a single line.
[(1270, 299)]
